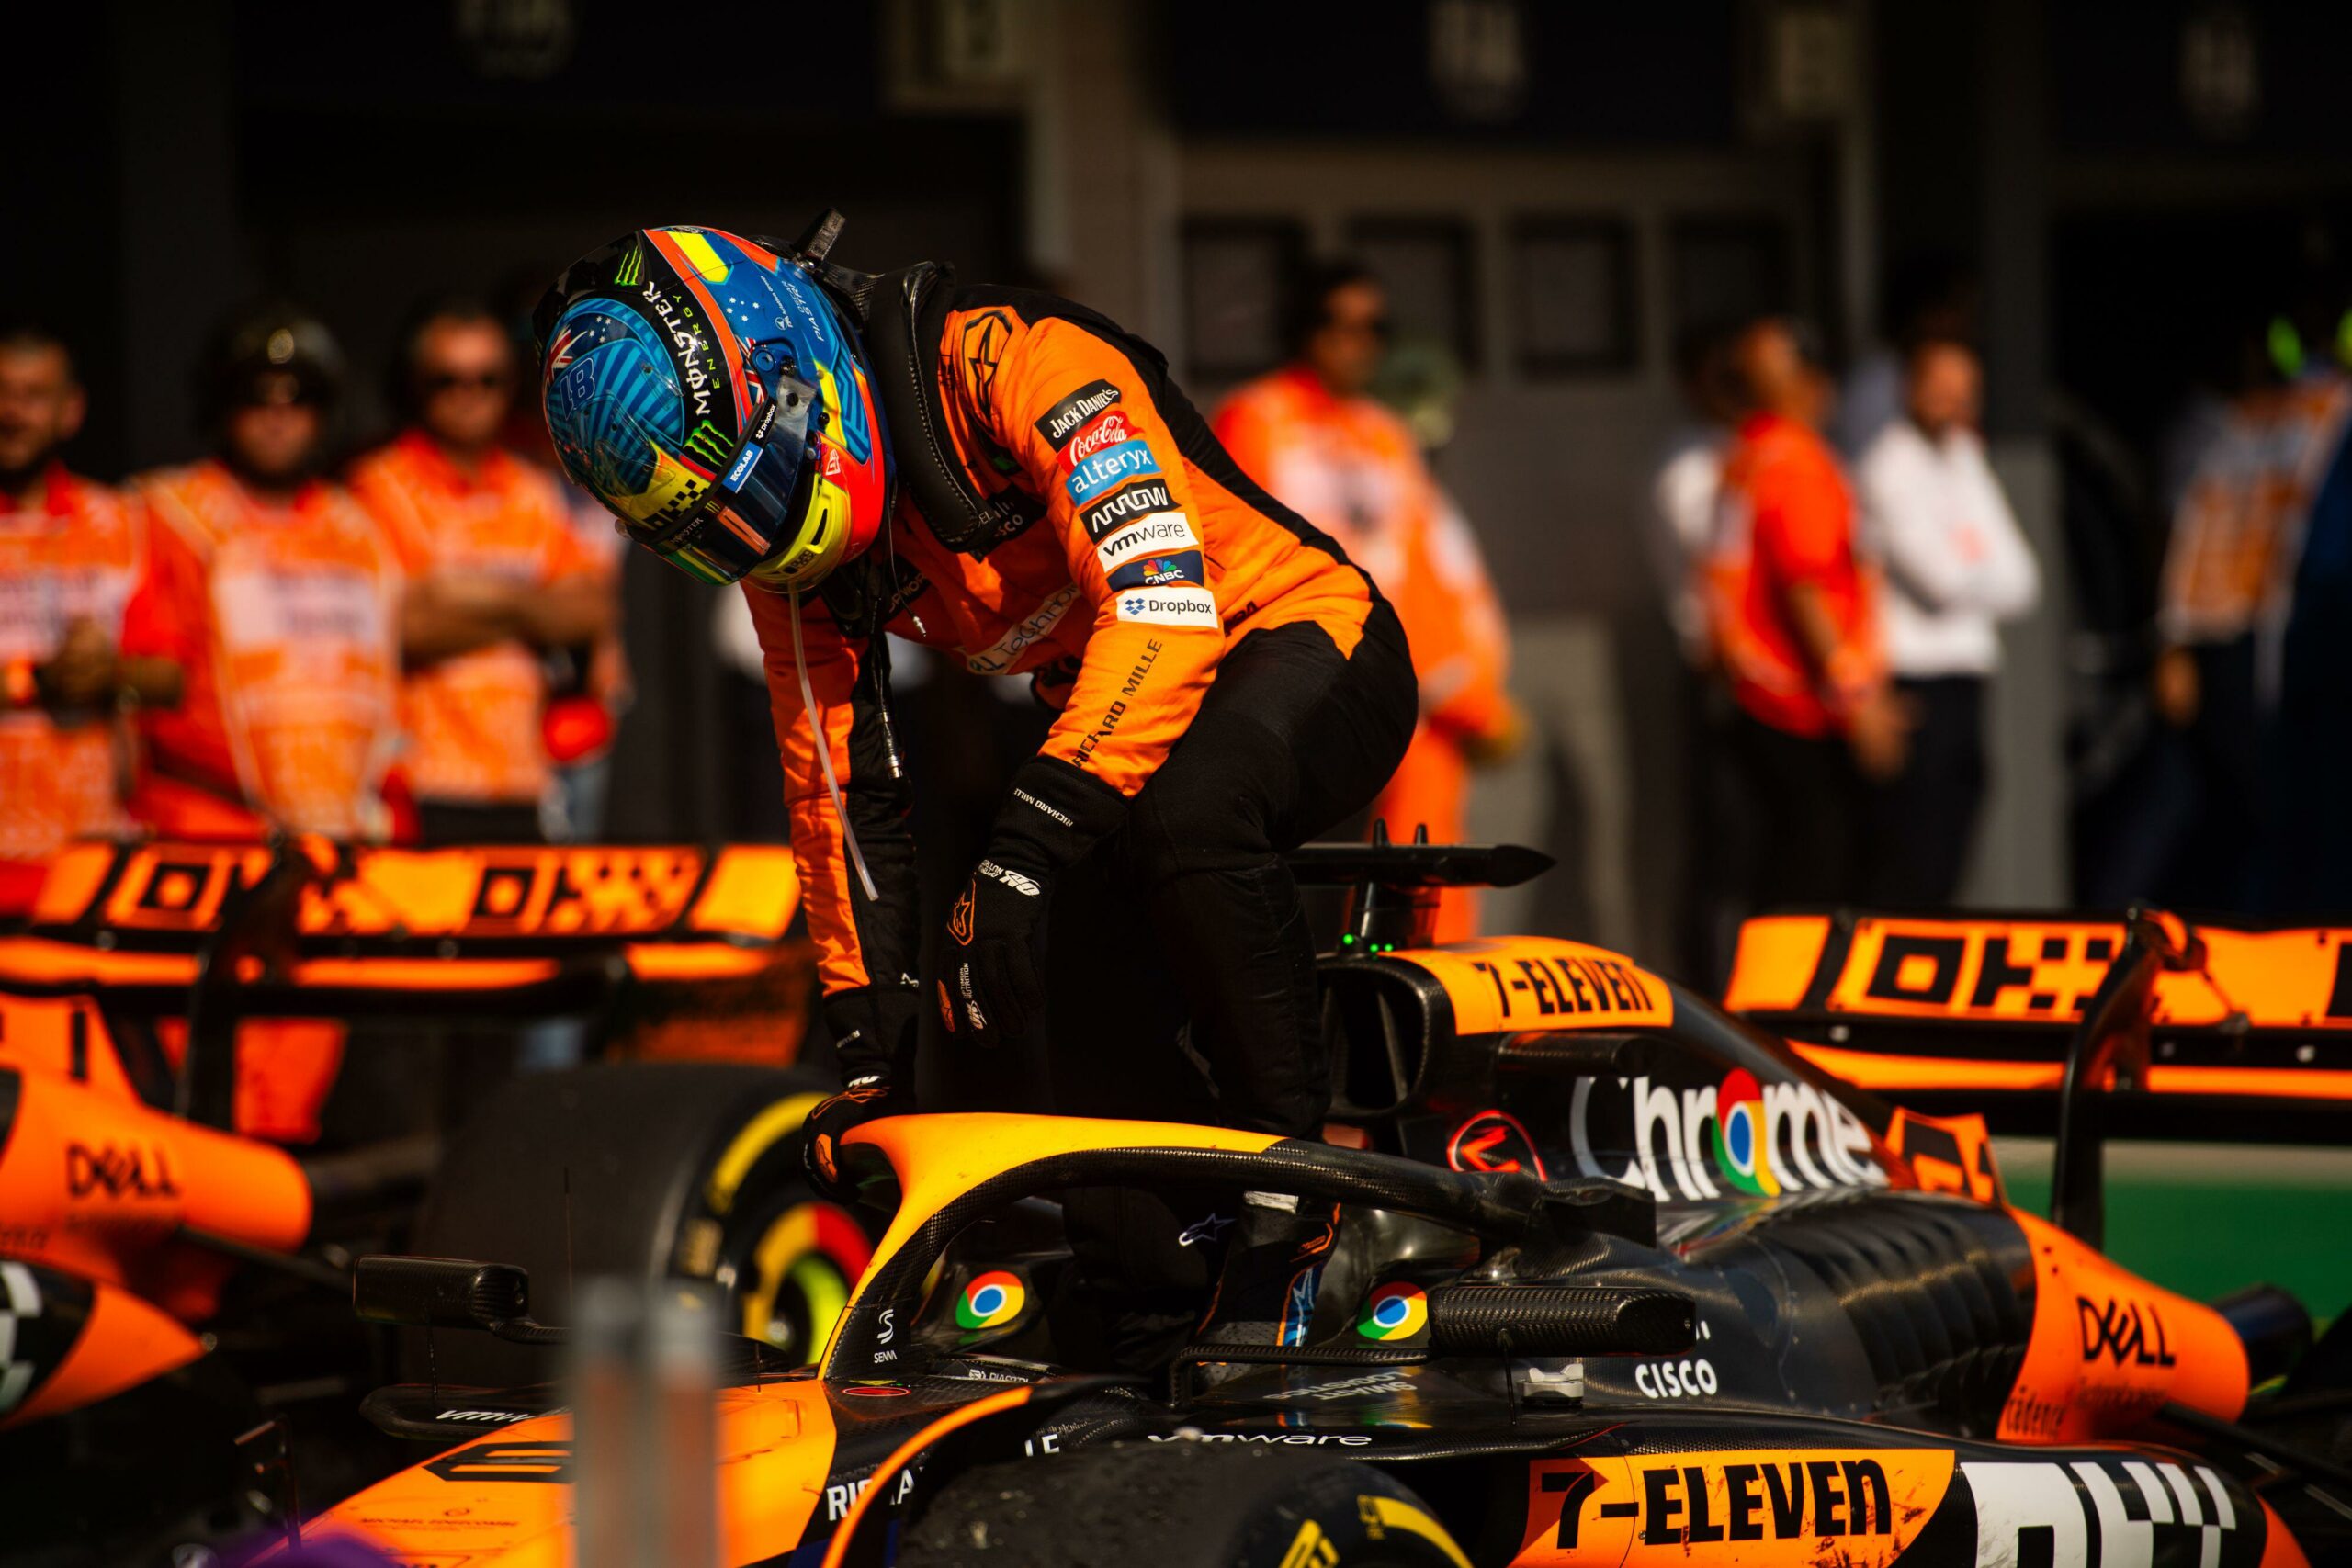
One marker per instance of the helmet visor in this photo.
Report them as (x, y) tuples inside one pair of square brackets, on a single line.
[(755, 503)]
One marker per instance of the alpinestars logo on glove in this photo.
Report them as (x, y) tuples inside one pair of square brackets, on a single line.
[(959, 918), (1011, 879)]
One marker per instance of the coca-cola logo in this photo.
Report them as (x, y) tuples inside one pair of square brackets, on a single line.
[(1106, 432)]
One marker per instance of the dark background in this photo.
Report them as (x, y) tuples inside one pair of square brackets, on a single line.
[(168, 161)]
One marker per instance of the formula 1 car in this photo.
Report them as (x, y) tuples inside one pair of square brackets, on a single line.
[(175, 1295), (1618, 1278)]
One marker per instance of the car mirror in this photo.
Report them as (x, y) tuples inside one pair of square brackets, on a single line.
[(448, 1292)]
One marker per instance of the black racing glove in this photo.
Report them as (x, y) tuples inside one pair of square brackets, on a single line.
[(995, 952), (874, 1034), (867, 1101)]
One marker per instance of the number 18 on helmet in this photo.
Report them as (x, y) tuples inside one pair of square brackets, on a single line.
[(708, 392)]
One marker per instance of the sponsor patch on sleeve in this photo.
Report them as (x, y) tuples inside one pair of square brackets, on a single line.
[(1105, 430), (1111, 466), (1158, 570), (1061, 422), (1182, 604), (1157, 532), (1121, 507)]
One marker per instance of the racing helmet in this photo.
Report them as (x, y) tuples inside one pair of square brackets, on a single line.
[(706, 389)]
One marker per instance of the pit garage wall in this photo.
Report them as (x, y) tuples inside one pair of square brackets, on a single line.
[(1552, 473), (1133, 133)]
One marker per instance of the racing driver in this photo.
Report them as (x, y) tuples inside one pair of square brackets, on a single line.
[(1013, 480)]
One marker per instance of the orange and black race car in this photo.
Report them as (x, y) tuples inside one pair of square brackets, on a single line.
[(1618, 1278), (174, 1292)]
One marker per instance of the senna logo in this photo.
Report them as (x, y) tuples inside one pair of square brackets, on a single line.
[(959, 918), (2116, 1331), (119, 1171)]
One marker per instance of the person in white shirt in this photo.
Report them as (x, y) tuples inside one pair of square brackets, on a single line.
[(1955, 565)]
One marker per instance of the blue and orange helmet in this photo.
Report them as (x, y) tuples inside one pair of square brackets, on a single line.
[(708, 391)]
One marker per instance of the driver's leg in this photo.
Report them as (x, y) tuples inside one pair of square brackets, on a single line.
[(1292, 739)]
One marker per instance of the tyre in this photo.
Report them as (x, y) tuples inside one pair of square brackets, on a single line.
[(1179, 1504), (639, 1170)]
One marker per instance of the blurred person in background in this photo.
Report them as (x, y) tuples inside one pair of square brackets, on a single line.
[(1718, 841), (590, 687), (1932, 295), (2227, 600), (2313, 753), (280, 597), (1683, 490), (497, 577), (69, 554), (1953, 565), (1792, 609), (1311, 436)]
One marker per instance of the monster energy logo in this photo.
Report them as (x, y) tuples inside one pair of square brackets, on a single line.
[(705, 442), (631, 268)]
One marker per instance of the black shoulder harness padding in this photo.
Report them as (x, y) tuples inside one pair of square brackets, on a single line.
[(907, 316)]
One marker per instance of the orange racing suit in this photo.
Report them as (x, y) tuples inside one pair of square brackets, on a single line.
[(73, 555), (1099, 540), (1355, 469)]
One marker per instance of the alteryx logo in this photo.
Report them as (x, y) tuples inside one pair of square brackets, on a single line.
[(1113, 465)]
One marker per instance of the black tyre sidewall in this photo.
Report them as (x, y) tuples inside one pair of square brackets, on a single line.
[(1172, 1505), (633, 1143)]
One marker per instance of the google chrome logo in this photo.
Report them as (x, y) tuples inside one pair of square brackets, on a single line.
[(1743, 1146), (990, 1299), (1396, 1311)]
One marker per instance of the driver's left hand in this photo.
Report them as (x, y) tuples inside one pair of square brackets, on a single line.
[(993, 985), (996, 952)]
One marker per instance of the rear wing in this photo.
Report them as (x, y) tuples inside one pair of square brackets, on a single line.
[(304, 928), (359, 925), (2249, 1027)]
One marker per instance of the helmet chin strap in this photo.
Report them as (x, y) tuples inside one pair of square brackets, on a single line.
[(825, 750)]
